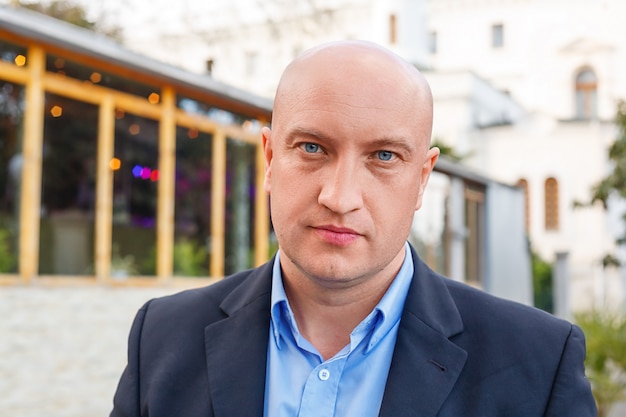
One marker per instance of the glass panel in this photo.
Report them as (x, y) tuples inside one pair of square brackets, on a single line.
[(81, 72), (497, 36), (135, 165), (11, 131), (432, 42), (68, 187), (586, 77), (220, 116), (240, 197), (192, 215), (474, 223), (429, 232), (12, 53)]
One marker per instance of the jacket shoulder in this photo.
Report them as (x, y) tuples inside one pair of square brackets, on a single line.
[(205, 305), (478, 307)]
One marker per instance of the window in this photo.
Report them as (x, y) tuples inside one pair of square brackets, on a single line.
[(430, 233), (11, 162), (586, 88), (432, 42), (240, 210), (393, 29), (192, 206), (523, 184), (475, 241), (135, 178), (251, 63), (551, 204), (68, 187), (497, 36)]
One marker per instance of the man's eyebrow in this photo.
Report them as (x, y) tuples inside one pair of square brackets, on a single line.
[(394, 142), (300, 132)]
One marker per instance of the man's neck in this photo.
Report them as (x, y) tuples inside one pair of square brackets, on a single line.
[(326, 316)]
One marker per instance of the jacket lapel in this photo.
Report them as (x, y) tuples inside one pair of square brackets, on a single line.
[(425, 364), (424, 368), (236, 348)]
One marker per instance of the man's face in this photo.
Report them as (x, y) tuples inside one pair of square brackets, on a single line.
[(346, 168)]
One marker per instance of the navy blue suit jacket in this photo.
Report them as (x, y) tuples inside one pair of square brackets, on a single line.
[(459, 353)]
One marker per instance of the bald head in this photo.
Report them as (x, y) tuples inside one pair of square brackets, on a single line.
[(342, 68)]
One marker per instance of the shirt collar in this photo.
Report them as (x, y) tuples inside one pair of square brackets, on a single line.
[(382, 318)]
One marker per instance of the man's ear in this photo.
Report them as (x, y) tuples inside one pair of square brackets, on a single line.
[(429, 163), (267, 151)]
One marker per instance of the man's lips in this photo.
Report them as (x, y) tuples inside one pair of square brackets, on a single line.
[(336, 235)]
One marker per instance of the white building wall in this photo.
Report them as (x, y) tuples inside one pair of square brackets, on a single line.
[(575, 155), (545, 42), (251, 42)]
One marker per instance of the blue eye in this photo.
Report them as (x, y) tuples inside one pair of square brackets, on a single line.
[(311, 147), (385, 155)]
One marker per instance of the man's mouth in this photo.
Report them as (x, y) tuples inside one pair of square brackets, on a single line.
[(337, 235)]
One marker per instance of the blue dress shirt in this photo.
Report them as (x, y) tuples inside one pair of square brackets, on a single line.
[(352, 383)]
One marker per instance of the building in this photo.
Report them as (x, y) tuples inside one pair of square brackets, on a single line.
[(526, 90), (249, 43), (119, 168), (129, 170), (123, 178), (561, 62)]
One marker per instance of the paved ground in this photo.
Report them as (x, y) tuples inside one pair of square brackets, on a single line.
[(62, 350)]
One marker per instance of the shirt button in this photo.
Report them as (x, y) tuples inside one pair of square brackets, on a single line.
[(324, 374)]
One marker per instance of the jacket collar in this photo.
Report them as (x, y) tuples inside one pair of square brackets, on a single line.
[(236, 348), (425, 363), (424, 368)]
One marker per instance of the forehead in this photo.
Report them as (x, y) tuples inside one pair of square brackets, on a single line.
[(354, 86), (352, 108)]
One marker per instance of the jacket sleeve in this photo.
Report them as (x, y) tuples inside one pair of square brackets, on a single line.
[(571, 392), (126, 399)]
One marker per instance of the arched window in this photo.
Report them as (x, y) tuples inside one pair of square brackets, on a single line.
[(551, 204), (523, 184), (586, 92)]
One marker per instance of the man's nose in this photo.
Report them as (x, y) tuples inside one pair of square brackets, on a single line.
[(341, 189)]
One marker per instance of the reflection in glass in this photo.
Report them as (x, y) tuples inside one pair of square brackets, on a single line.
[(11, 130), (240, 197), (68, 187), (429, 232), (216, 114), (586, 94), (14, 54), (63, 66), (135, 177), (192, 210)]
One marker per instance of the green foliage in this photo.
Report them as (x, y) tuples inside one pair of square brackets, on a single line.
[(615, 182), (542, 283), (606, 356), (447, 151), (190, 260), (7, 258), (122, 266), (69, 12)]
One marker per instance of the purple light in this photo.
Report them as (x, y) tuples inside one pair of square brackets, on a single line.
[(145, 173)]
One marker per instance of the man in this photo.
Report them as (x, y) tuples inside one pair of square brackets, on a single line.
[(347, 320)]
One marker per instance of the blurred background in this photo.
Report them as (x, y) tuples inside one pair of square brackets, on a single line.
[(131, 165)]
